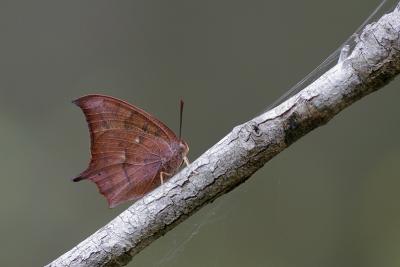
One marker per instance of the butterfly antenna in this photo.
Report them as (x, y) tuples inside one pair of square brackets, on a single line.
[(180, 119)]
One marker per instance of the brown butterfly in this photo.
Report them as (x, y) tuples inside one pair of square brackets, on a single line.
[(132, 152)]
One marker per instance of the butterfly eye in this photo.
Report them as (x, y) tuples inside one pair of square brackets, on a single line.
[(183, 146)]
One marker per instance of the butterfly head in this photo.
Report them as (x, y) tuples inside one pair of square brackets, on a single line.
[(183, 148)]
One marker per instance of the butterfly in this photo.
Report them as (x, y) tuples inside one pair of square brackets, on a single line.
[(132, 152)]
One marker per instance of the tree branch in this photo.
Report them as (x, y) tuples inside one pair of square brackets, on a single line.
[(374, 61)]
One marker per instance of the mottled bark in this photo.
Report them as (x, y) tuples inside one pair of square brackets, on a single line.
[(373, 63)]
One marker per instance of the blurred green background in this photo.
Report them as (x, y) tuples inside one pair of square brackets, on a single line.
[(331, 199)]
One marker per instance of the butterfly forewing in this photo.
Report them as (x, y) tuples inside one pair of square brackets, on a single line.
[(128, 148), (104, 112)]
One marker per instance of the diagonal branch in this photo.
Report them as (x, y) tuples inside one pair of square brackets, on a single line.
[(374, 61)]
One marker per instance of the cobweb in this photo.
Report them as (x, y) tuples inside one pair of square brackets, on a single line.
[(384, 7), (212, 216), (220, 210)]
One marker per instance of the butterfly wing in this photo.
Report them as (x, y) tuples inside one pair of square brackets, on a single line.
[(127, 147)]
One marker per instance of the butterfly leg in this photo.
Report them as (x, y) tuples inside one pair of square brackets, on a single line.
[(162, 174), (186, 160)]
